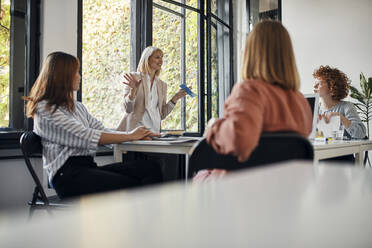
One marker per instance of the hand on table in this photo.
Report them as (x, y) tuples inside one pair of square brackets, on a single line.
[(142, 133)]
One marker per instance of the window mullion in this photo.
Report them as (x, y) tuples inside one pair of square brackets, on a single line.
[(32, 49), (80, 45), (231, 46), (183, 65), (201, 66), (147, 24), (209, 63)]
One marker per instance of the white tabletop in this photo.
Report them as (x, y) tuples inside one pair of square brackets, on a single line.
[(340, 143), (336, 148), (289, 205), (180, 145)]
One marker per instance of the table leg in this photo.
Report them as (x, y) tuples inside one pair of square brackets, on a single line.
[(186, 167), (315, 160), (359, 159), (118, 154)]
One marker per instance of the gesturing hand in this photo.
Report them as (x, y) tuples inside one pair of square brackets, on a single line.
[(327, 116), (179, 95), (132, 83)]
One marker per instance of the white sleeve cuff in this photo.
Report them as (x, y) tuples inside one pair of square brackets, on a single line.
[(95, 139)]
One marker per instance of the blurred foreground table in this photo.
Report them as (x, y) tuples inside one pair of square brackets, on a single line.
[(293, 204)]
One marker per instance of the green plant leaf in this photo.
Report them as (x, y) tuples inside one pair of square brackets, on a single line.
[(370, 86), (358, 97), (363, 84), (355, 92)]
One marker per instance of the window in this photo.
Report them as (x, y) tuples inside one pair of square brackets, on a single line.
[(4, 62), (263, 9), (19, 56), (105, 57), (175, 31), (192, 37), (19, 65), (219, 62), (195, 36)]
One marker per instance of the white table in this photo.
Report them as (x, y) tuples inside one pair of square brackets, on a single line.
[(340, 148), (157, 146), (290, 205), (322, 150)]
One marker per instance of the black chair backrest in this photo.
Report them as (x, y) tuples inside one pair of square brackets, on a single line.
[(272, 147), (31, 146)]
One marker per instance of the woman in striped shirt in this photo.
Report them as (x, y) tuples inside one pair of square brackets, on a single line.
[(70, 135)]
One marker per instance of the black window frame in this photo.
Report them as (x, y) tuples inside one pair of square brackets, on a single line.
[(248, 11), (29, 61), (141, 37)]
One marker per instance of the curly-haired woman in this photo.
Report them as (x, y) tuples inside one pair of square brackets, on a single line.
[(332, 85)]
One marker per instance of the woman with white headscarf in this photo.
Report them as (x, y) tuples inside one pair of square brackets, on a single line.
[(145, 95)]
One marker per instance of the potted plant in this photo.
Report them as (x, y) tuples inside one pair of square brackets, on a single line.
[(364, 104)]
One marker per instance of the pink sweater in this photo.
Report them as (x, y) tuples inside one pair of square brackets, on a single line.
[(252, 108)]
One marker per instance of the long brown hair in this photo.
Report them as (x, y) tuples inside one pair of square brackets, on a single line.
[(54, 83), (269, 56)]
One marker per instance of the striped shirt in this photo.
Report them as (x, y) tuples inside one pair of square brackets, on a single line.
[(65, 134)]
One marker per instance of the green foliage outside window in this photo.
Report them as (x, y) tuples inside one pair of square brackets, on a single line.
[(167, 36), (4, 62), (106, 53)]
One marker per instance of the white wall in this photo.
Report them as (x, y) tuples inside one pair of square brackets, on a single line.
[(58, 27), (333, 32)]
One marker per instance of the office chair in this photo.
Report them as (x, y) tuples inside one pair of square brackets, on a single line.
[(31, 147), (273, 147)]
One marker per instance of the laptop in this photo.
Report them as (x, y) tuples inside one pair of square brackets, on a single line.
[(313, 100)]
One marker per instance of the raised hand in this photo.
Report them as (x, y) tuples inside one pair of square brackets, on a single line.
[(132, 83)]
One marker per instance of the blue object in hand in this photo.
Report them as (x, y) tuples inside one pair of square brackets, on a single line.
[(187, 89)]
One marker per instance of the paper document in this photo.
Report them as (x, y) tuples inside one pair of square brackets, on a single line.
[(184, 140), (187, 89), (329, 128)]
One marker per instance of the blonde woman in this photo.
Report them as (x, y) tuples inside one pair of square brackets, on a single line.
[(145, 94), (268, 98), (70, 135)]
